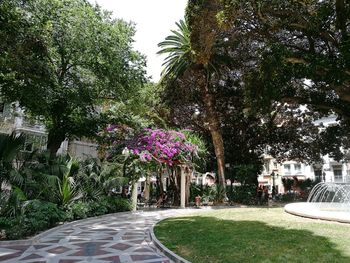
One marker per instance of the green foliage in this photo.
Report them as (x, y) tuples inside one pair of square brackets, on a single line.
[(247, 174), (109, 204), (75, 190), (78, 210), (218, 193), (213, 193), (61, 73), (12, 202), (35, 216), (195, 190), (288, 183), (243, 194), (10, 146), (115, 204), (178, 48)]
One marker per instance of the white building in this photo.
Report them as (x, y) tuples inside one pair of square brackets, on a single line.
[(328, 171), (13, 119)]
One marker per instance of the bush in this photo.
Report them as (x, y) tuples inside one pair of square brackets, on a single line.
[(97, 208), (195, 190), (36, 216), (78, 210), (117, 204), (105, 205), (289, 197), (39, 215), (207, 193), (244, 194)]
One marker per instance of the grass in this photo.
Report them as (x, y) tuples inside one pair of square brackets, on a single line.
[(255, 235)]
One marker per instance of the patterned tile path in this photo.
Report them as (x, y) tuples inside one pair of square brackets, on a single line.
[(117, 238)]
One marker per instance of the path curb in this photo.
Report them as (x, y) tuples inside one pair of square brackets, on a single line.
[(167, 252)]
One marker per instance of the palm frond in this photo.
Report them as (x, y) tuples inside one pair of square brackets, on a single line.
[(178, 48)]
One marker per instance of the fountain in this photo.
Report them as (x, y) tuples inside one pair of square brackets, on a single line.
[(328, 201)]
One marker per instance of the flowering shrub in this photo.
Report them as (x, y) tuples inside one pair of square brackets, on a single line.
[(163, 146)]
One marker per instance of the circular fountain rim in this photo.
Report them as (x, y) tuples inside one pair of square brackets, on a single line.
[(310, 210)]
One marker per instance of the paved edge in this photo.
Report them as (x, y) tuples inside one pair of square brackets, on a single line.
[(32, 240), (291, 209), (167, 252)]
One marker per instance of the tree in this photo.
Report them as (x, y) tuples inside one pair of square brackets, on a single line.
[(296, 41), (62, 60), (183, 63)]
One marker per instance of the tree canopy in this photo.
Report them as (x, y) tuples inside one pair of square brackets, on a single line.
[(62, 60), (284, 64)]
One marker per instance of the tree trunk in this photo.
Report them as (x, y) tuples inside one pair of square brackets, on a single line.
[(54, 141), (160, 183), (174, 179), (215, 129)]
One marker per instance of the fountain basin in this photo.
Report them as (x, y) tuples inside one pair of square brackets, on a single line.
[(317, 210)]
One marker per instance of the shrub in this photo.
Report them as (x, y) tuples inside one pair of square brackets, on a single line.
[(36, 216), (117, 204), (97, 208), (105, 205), (78, 210), (244, 194), (44, 211), (289, 197), (195, 190)]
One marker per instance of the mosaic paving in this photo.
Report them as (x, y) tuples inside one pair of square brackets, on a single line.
[(115, 238)]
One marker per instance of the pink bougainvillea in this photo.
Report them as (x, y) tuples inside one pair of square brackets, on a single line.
[(164, 146)]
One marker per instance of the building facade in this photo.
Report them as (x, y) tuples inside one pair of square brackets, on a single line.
[(13, 119), (328, 171)]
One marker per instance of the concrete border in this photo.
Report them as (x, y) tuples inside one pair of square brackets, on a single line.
[(311, 211), (167, 252), (34, 239)]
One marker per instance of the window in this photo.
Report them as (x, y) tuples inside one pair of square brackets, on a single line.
[(318, 175), (34, 142), (297, 168), (275, 165), (2, 107), (338, 173), (267, 166), (287, 168)]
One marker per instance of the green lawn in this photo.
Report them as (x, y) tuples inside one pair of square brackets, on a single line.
[(255, 235)]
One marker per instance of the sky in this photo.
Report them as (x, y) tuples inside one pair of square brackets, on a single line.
[(154, 19)]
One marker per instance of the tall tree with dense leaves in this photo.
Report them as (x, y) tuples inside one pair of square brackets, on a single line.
[(62, 59), (300, 53), (296, 41), (183, 63)]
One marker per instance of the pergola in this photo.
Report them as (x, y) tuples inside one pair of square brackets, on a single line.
[(159, 146), (184, 170)]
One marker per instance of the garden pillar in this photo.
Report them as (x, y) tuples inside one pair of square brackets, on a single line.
[(147, 189), (134, 196), (183, 187)]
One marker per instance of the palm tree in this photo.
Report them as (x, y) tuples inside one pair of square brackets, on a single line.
[(182, 58), (10, 145)]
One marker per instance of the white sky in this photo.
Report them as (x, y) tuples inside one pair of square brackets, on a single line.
[(154, 19)]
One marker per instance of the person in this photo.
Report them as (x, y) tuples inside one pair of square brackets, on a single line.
[(259, 194), (266, 194), (125, 191)]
